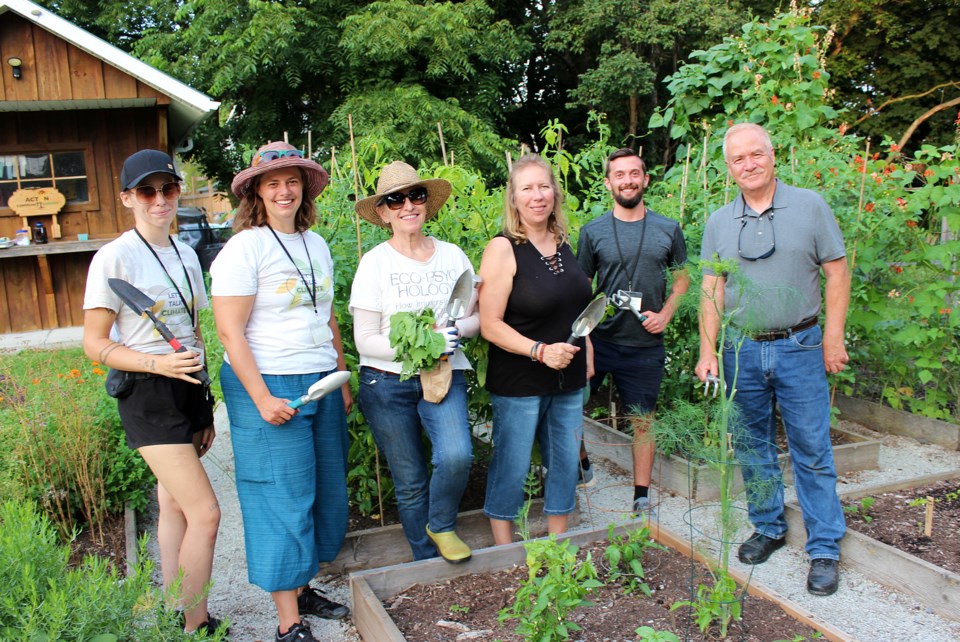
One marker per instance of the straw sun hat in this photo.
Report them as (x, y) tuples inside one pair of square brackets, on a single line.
[(314, 175), (400, 177)]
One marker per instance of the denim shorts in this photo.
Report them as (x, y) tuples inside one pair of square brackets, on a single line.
[(556, 423)]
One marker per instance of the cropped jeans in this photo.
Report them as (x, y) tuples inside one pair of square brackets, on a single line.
[(398, 416), (788, 373), (556, 422)]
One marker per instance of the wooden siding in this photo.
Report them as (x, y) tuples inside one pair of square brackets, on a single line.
[(54, 69), (44, 293)]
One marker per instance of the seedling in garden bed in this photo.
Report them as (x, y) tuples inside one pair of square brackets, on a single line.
[(861, 509), (624, 554), (544, 600), (456, 608), (650, 634)]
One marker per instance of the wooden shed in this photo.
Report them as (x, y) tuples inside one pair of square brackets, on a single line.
[(72, 108)]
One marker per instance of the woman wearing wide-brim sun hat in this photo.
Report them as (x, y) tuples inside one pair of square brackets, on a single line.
[(272, 287), (412, 272)]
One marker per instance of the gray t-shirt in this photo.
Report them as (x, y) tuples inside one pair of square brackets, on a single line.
[(663, 249), (780, 290)]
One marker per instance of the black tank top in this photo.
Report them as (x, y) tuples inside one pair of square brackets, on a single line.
[(542, 306)]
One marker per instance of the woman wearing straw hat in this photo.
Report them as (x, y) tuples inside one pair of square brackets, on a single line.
[(412, 272), (533, 290), (167, 414), (272, 300)]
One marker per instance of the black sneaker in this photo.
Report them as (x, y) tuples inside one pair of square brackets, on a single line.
[(212, 625), (312, 602), (299, 632)]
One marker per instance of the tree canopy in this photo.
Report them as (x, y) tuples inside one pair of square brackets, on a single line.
[(494, 72)]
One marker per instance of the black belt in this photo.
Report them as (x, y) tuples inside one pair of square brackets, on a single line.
[(773, 335)]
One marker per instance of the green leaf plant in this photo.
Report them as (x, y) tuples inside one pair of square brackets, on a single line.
[(556, 584)]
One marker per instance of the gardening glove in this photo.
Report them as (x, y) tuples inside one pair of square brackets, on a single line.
[(452, 336)]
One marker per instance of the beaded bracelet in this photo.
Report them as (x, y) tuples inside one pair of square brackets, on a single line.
[(534, 349)]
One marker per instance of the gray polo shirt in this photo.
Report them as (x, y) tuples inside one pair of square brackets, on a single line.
[(780, 290)]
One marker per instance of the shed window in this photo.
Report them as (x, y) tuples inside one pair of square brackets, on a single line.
[(64, 170)]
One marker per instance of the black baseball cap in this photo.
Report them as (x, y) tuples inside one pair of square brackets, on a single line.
[(145, 162)]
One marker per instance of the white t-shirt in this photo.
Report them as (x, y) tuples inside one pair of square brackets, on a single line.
[(387, 282), (286, 334), (129, 259)]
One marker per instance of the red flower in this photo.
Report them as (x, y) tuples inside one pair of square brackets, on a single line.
[(945, 311), (894, 148), (818, 176), (869, 207), (911, 223), (775, 100), (901, 203), (816, 75), (928, 172), (897, 269)]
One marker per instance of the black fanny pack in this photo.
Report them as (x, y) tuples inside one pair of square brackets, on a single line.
[(119, 383)]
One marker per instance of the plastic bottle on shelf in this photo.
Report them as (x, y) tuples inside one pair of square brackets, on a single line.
[(22, 237)]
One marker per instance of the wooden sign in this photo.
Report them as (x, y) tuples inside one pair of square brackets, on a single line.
[(36, 201)]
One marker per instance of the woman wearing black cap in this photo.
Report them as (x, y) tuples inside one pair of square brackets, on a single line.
[(167, 414), (272, 299)]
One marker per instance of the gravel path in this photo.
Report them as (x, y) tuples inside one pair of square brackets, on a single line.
[(862, 608)]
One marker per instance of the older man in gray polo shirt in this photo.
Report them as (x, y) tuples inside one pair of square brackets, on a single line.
[(781, 237)]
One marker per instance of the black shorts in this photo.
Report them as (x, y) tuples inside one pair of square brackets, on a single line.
[(161, 410)]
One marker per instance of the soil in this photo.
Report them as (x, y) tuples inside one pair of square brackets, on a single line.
[(469, 606), (892, 520), (111, 546)]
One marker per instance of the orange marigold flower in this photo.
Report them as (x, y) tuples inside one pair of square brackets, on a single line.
[(833, 170), (894, 148), (945, 311), (928, 172), (94, 363), (869, 207), (818, 176), (897, 269), (775, 100), (97, 371), (74, 373), (59, 375), (911, 223), (875, 156), (901, 202), (36, 381), (816, 75)]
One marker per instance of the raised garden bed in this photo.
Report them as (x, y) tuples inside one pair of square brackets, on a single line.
[(387, 545), (935, 587), (698, 481), (897, 422), (370, 588)]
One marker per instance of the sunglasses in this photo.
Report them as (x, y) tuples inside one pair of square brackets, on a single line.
[(758, 246), (147, 194), (272, 155), (395, 200)]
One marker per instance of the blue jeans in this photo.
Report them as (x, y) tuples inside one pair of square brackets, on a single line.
[(556, 422), (398, 415), (791, 374)]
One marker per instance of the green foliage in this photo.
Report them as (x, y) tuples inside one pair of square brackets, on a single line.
[(715, 606), (42, 598), (891, 208), (861, 509), (67, 448), (417, 343), (649, 634), (891, 61), (556, 584), (624, 554)]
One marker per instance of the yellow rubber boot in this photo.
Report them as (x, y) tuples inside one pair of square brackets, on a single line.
[(451, 547)]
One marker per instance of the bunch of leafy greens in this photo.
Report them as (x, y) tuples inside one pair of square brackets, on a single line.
[(418, 345)]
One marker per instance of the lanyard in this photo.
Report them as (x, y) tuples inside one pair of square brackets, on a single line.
[(636, 259), (186, 275), (303, 279)]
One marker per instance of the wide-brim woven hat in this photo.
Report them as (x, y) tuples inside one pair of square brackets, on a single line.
[(315, 176), (400, 177)]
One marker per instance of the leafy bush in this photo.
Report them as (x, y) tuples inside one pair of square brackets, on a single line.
[(42, 598), (67, 450)]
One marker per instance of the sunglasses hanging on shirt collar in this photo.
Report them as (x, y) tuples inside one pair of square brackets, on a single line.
[(761, 239)]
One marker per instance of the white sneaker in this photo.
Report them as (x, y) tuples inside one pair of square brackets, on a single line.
[(585, 477)]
